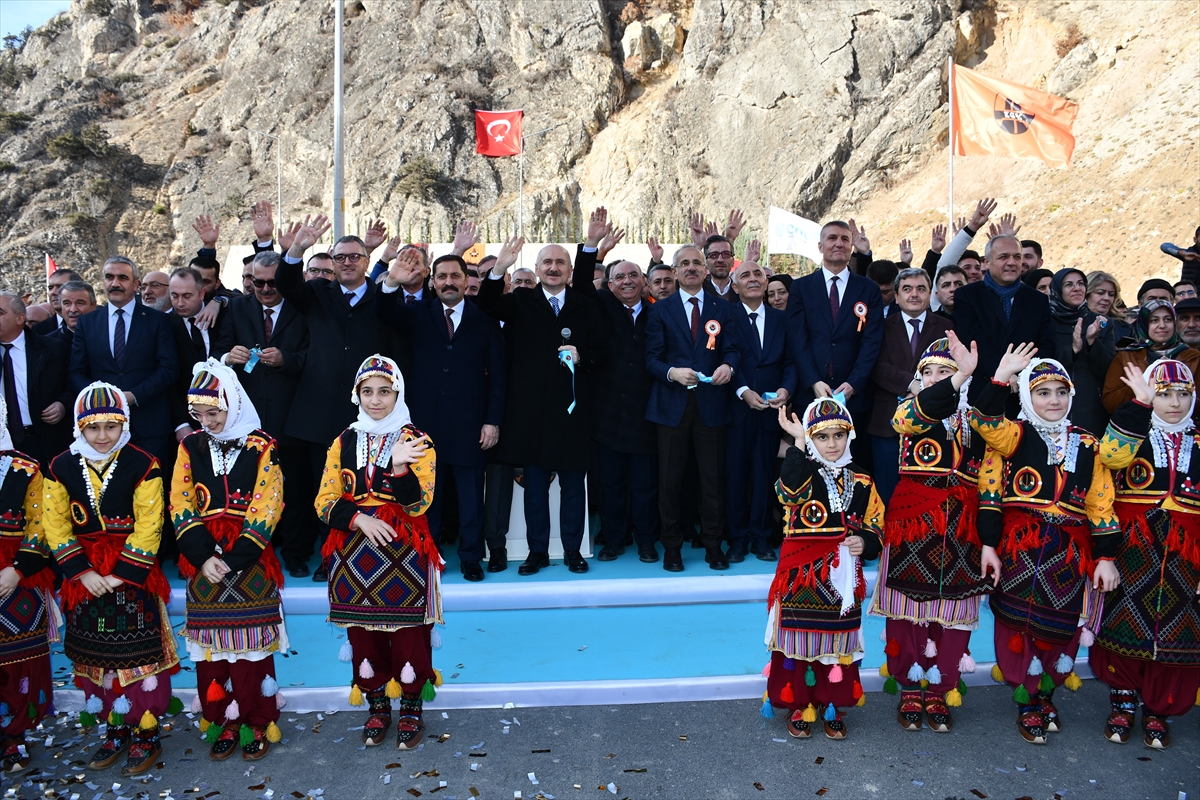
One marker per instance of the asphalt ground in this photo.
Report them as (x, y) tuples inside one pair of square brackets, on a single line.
[(679, 750)]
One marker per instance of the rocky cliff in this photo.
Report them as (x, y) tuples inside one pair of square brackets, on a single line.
[(123, 119)]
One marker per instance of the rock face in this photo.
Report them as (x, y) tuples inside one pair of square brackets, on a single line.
[(653, 107)]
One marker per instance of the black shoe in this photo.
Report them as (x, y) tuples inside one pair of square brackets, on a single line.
[(498, 560), (736, 554), (716, 559), (610, 552), (471, 571), (673, 560), (533, 563), (320, 574), (648, 553), (298, 569), (763, 553), (576, 562)]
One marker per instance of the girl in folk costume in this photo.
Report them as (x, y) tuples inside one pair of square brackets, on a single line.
[(102, 520), (26, 586), (226, 498), (833, 521), (930, 585), (1149, 639), (384, 567), (1048, 531)]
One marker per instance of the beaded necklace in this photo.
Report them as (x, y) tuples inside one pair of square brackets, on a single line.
[(109, 466), (839, 501), (222, 460)]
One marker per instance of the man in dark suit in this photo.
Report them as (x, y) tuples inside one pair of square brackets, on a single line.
[(835, 325), (718, 256), (33, 377), (343, 332), (130, 346), (460, 371), (752, 444), (624, 440), (263, 324), (687, 410), (1001, 310), (906, 334), (54, 285), (194, 341), (548, 416), (75, 298)]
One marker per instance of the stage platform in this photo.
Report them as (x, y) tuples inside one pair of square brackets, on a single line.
[(625, 632)]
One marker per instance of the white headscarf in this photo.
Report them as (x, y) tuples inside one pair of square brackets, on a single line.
[(1062, 446), (808, 425), (382, 367), (80, 446), (6, 442), (243, 416)]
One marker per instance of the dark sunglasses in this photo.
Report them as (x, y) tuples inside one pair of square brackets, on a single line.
[(261, 284)]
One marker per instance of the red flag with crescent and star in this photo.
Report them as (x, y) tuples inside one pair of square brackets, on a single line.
[(498, 133)]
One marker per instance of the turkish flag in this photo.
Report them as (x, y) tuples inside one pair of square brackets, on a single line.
[(498, 133), (995, 117), (51, 267)]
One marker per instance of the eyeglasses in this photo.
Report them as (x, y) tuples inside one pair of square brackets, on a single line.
[(261, 284), (720, 254), (153, 285), (209, 414), (320, 273), (353, 258)]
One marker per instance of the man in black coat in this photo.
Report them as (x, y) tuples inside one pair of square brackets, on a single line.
[(548, 416), (626, 455), (343, 332), (54, 284), (1001, 310), (273, 333), (460, 367), (33, 378), (75, 298), (130, 346), (194, 341)]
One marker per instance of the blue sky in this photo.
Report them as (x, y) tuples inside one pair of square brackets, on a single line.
[(16, 14)]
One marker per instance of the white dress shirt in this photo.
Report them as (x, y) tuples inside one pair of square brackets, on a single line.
[(357, 294), (686, 298), (760, 325), (128, 308), (456, 317), (842, 277), (20, 366), (636, 310)]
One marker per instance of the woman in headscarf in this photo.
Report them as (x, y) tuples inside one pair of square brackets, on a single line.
[(384, 567), (1084, 342), (1038, 279), (103, 519), (1149, 639), (778, 288), (1155, 336), (1048, 532), (26, 586), (226, 498), (833, 522)]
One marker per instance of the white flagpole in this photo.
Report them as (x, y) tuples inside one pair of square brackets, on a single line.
[(339, 199), (521, 200), (950, 207)]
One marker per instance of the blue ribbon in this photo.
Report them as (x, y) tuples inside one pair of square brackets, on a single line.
[(253, 362), (564, 356)]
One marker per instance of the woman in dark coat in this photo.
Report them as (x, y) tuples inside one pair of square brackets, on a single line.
[(1085, 343)]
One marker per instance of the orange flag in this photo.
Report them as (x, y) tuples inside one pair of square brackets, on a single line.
[(995, 117)]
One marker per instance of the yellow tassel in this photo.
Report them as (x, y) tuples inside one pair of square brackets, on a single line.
[(862, 701), (766, 696), (208, 654), (393, 689), (204, 725), (356, 698), (1074, 683), (997, 675), (924, 683), (273, 734), (1197, 694), (148, 722), (953, 698), (845, 661), (437, 677), (883, 671), (810, 714)]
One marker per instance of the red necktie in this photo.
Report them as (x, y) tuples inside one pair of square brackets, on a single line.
[(834, 305), (695, 317), (268, 326), (916, 326), (449, 323)]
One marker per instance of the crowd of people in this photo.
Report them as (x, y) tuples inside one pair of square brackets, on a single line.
[(981, 428)]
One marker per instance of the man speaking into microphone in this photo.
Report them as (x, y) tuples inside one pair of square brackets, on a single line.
[(557, 340)]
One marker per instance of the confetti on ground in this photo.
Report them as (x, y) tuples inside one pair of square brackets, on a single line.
[(612, 788), (683, 738), (979, 794), (395, 765), (820, 760), (533, 779), (918, 783), (545, 750), (445, 715), (637, 769), (758, 786), (821, 792), (1144, 758), (611, 755), (781, 741), (474, 768), (1005, 771)]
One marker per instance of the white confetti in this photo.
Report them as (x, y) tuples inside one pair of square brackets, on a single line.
[(612, 788), (506, 722), (474, 767), (918, 783), (781, 741), (445, 715), (508, 706), (533, 779), (442, 784), (320, 717), (387, 778), (516, 721), (517, 794)]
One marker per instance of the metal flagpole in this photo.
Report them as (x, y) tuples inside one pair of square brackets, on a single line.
[(339, 200), (950, 207)]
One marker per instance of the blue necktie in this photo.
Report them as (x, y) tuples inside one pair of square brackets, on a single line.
[(554, 305), (119, 339)]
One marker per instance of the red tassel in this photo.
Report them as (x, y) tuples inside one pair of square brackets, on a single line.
[(857, 690), (1016, 643), (1040, 645), (892, 649), (216, 692), (786, 695)]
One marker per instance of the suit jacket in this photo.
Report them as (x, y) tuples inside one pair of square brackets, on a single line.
[(836, 353), (730, 296), (460, 383), (47, 326), (979, 317), (151, 364), (896, 365), (669, 344), (341, 337), (538, 430), (765, 367), (188, 356), (46, 382), (622, 386), (64, 335), (271, 389)]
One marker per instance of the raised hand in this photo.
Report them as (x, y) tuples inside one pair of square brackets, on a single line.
[(656, 251), (465, 237), (376, 234), (960, 223), (393, 247), (1077, 336), (696, 226), (264, 222), (710, 229), (610, 240), (207, 230), (408, 452), (967, 358), (508, 255), (1094, 329), (311, 230), (906, 253), (1136, 381), (983, 210), (404, 269), (937, 240), (598, 228), (734, 226), (1014, 361), (792, 425), (858, 237), (287, 234), (754, 251), (1008, 227)]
